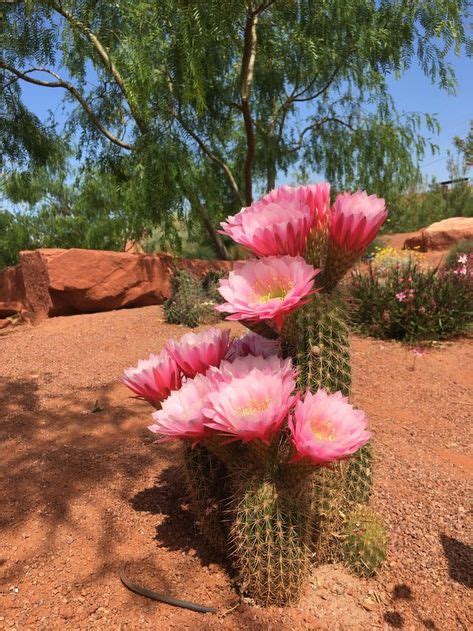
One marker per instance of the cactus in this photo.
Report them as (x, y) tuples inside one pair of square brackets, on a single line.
[(210, 285), (205, 478), (271, 533), (188, 304), (358, 480), (364, 541), (328, 511), (316, 337)]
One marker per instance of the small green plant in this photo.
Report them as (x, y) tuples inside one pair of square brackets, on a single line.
[(364, 541), (411, 304), (192, 301), (210, 283)]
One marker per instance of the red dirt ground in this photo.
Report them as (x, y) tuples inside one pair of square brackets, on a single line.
[(80, 491)]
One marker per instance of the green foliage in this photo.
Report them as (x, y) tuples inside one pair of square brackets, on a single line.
[(364, 541), (462, 247), (417, 210), (176, 116), (411, 304), (189, 303), (15, 235), (179, 239), (64, 209), (465, 147)]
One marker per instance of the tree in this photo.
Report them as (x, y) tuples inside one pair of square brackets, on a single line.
[(465, 147), (201, 103)]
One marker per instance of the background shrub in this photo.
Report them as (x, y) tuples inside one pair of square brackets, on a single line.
[(464, 247), (193, 301), (411, 304), (384, 258), (416, 210)]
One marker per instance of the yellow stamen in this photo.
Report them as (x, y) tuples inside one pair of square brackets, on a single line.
[(322, 429), (254, 406), (270, 292)]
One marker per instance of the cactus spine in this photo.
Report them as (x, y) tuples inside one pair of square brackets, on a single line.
[(271, 535), (192, 302), (364, 541), (205, 478)]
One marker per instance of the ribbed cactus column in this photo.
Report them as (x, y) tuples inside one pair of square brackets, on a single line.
[(271, 533), (205, 479), (316, 337)]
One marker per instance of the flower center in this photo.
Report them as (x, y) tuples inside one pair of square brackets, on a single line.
[(254, 406), (322, 429), (270, 292)]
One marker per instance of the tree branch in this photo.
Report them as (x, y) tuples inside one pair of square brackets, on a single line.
[(107, 61), (317, 125), (60, 83), (204, 215), (208, 152), (246, 81), (297, 97), (222, 164)]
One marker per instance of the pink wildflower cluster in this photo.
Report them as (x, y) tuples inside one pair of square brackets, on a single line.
[(463, 264), (242, 390)]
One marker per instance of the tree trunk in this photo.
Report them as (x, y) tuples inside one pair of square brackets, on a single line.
[(216, 239)]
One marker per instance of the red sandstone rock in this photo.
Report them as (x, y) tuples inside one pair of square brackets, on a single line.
[(441, 235), (12, 291), (63, 282)]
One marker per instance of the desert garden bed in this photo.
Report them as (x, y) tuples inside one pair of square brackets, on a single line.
[(83, 488)]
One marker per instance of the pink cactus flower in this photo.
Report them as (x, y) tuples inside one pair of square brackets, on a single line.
[(242, 366), (318, 198), (279, 222), (252, 344), (267, 289), (356, 220), (251, 405), (401, 296), (154, 378), (181, 413), (326, 428), (195, 352)]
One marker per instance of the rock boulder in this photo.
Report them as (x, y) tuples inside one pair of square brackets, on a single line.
[(12, 292), (50, 282), (441, 235)]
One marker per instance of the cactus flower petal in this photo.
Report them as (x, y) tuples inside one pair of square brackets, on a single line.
[(266, 289), (251, 398), (154, 378), (181, 413), (195, 352), (279, 222), (326, 428)]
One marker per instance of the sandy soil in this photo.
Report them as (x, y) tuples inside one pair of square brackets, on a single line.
[(83, 487)]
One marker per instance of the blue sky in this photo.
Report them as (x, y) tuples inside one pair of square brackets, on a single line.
[(414, 92)]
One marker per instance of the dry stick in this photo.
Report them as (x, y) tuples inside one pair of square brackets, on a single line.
[(148, 593)]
